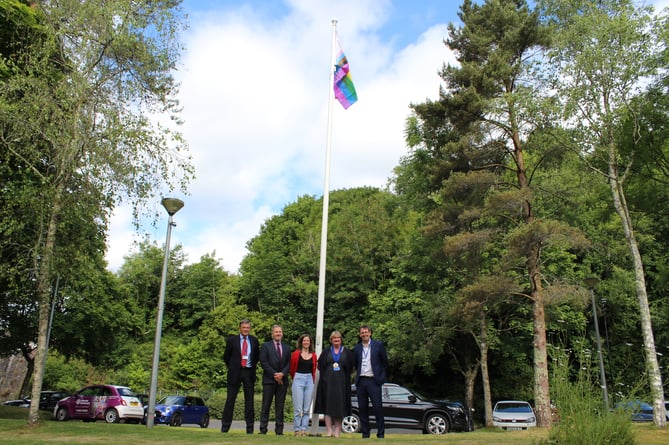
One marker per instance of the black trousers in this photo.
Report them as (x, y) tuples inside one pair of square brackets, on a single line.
[(246, 380), (368, 389), (278, 393)]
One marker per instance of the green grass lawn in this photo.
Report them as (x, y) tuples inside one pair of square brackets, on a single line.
[(14, 430)]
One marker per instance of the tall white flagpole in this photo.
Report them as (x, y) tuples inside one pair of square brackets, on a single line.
[(324, 226), (326, 202)]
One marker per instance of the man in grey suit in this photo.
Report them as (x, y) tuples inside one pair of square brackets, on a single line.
[(241, 356), (275, 362)]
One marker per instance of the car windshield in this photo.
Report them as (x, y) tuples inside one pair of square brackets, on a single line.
[(419, 395), (127, 392), (173, 400), (513, 408)]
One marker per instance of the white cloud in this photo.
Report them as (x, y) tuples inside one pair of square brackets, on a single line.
[(255, 95)]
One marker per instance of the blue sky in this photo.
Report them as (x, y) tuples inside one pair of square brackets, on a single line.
[(254, 90)]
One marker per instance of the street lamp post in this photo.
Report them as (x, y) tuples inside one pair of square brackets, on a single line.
[(172, 205), (591, 282)]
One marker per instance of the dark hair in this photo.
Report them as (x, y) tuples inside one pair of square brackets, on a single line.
[(365, 326), (311, 342)]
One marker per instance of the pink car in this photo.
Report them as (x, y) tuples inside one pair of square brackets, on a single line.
[(109, 402)]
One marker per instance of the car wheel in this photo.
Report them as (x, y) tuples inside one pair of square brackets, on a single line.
[(351, 424), (111, 416), (176, 420), (61, 414), (204, 423), (436, 424)]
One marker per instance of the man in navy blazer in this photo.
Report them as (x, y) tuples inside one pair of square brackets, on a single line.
[(371, 363), (241, 355), (275, 362)]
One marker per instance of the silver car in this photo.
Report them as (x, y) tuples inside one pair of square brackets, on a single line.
[(513, 415)]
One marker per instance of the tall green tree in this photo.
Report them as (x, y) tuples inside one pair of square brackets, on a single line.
[(197, 289), (139, 280), (604, 52), (488, 209), (279, 276), (77, 109)]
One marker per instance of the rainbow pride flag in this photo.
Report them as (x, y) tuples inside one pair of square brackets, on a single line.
[(344, 89)]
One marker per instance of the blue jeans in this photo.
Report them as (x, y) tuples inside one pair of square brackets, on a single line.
[(303, 389)]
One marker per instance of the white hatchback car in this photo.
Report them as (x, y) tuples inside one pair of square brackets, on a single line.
[(513, 415)]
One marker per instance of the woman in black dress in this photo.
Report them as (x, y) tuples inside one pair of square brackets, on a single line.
[(334, 387)]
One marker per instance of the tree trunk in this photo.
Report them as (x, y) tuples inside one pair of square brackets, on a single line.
[(43, 265), (28, 354), (485, 376), (652, 366), (470, 383), (542, 403)]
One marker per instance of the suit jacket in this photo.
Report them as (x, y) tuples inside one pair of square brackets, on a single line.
[(233, 357), (271, 363), (378, 358)]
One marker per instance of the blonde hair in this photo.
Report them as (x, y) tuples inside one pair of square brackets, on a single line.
[(336, 334)]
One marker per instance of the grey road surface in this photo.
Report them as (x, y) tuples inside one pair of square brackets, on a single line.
[(288, 427)]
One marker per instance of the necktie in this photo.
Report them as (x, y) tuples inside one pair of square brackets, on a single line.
[(278, 348), (245, 352)]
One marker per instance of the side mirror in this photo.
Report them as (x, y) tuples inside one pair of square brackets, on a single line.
[(412, 398)]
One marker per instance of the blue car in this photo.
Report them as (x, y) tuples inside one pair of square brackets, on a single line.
[(640, 411), (179, 410)]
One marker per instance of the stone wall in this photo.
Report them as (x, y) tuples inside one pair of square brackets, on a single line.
[(12, 372)]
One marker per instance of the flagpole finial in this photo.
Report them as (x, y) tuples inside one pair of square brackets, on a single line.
[(334, 22)]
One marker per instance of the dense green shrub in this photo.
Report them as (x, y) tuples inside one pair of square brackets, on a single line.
[(217, 401), (582, 419)]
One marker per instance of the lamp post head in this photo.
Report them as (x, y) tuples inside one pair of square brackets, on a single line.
[(591, 282), (172, 205)]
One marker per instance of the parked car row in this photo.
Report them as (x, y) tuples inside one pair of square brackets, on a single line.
[(114, 404), (403, 408)]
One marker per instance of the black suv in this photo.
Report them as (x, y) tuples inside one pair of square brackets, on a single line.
[(48, 399), (404, 408)]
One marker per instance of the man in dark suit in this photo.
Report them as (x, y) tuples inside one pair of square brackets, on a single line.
[(275, 362), (371, 363), (241, 356)]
